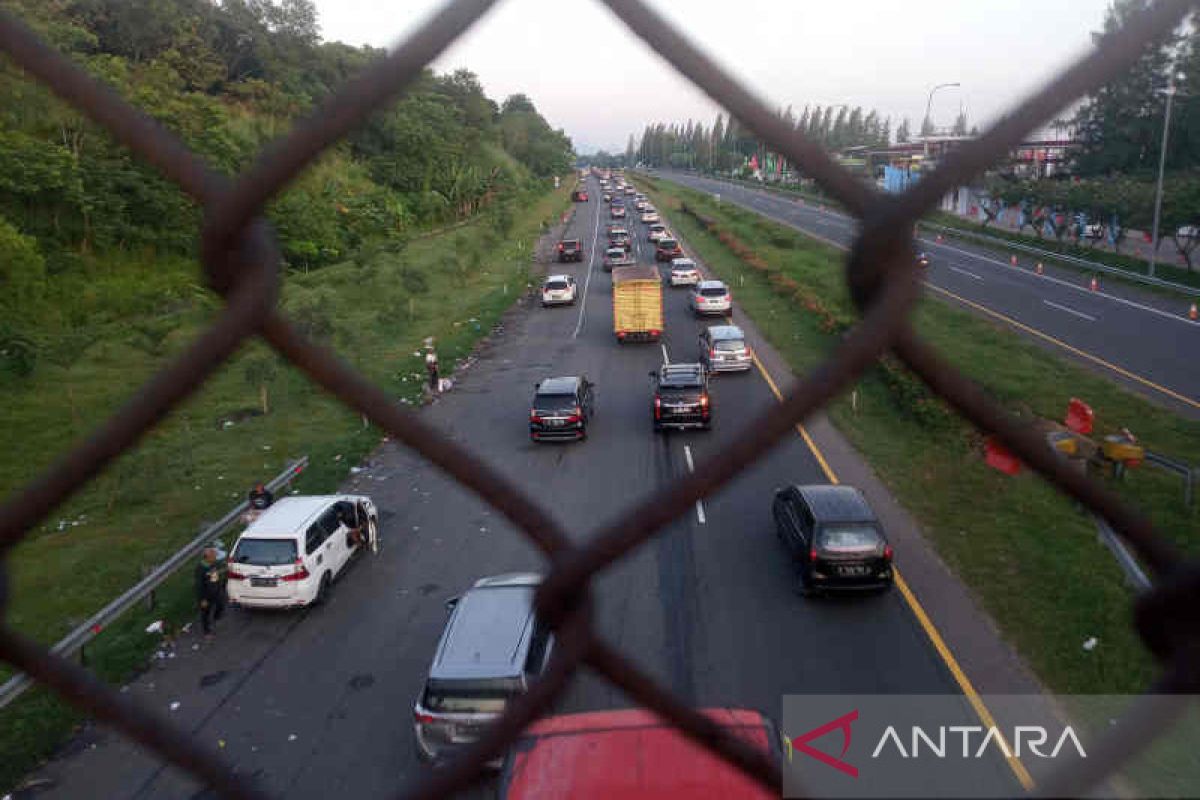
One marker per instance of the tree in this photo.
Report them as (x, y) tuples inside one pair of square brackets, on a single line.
[(960, 124), (1120, 124), (902, 132)]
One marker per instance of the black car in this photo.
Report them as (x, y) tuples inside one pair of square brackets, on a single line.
[(681, 398), (833, 537), (570, 250), (561, 409)]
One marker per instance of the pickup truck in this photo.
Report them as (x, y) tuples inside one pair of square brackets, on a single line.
[(637, 304)]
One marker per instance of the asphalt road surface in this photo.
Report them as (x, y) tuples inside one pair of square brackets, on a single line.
[(1141, 339), (318, 704)]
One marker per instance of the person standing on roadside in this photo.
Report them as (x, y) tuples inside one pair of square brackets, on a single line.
[(431, 366), (210, 590)]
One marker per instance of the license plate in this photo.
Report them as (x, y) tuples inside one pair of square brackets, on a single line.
[(853, 570), (264, 582), (554, 423)]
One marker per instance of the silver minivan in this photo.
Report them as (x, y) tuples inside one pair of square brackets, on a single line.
[(491, 650), (723, 348), (291, 554)]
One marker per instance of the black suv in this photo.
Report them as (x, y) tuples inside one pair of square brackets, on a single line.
[(834, 538), (570, 250), (561, 409), (681, 398)]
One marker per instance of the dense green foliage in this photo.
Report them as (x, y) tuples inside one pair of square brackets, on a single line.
[(1121, 123), (228, 78)]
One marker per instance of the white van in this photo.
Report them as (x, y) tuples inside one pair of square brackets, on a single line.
[(291, 554)]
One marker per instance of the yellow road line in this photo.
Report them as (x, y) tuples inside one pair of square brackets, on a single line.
[(935, 638), (1074, 350)]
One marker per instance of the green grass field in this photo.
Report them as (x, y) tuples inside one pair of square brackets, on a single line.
[(1031, 557), (375, 310)]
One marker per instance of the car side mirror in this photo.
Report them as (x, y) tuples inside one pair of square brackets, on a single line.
[(651, 373), (452, 602)]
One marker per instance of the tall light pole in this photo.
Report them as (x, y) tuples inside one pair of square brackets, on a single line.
[(929, 107), (1170, 92)]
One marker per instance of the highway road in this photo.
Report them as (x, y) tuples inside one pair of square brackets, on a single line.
[(1139, 338), (319, 704)]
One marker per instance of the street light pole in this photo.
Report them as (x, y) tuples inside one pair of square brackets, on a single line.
[(1162, 163), (929, 108)]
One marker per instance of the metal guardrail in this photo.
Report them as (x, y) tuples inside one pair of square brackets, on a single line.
[(74, 641), (1050, 255), (1134, 575), (1181, 468), (241, 262)]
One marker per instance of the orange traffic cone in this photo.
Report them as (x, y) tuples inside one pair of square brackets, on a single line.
[(1013, 261), (1039, 268), (1095, 284), (1192, 313)]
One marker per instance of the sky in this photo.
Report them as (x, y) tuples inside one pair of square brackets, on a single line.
[(588, 74)]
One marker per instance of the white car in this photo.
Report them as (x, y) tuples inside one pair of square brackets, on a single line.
[(559, 290), (684, 272), (656, 231), (291, 554), (649, 217), (711, 297)]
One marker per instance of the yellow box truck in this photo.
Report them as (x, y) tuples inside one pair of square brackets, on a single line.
[(637, 304)]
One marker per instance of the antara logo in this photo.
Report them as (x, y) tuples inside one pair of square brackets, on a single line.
[(1031, 737), (1026, 739)]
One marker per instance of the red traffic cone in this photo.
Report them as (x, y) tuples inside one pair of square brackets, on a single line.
[(1013, 261), (939, 238), (1038, 269), (1094, 285), (1192, 313)]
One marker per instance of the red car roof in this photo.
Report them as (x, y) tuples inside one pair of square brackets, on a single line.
[(630, 754)]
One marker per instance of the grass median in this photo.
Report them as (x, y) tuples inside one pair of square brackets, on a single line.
[(1027, 552), (252, 417)]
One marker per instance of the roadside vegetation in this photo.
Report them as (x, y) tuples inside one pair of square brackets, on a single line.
[(421, 224), (1028, 553)]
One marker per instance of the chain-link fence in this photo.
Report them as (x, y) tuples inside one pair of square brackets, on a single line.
[(241, 262)]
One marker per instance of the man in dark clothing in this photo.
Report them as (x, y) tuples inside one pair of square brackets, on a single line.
[(261, 497), (210, 590)]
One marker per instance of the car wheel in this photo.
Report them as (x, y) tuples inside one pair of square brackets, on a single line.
[(323, 590), (803, 587)]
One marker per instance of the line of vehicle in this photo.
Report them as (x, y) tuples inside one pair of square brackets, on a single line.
[(1074, 350), (588, 281), (931, 631), (1088, 317), (1133, 376)]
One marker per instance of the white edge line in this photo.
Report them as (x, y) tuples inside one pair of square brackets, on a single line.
[(1070, 311), (591, 265), (965, 272)]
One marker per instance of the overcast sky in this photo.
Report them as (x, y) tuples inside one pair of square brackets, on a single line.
[(589, 75)]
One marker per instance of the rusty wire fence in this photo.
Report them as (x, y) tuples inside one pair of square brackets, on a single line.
[(241, 263)]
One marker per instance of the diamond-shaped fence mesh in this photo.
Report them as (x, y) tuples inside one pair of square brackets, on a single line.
[(241, 263)]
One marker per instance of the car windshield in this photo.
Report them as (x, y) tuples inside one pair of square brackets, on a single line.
[(616, 252), (556, 285), (851, 538), (729, 344), (554, 403), (667, 244), (571, 244), (681, 391), (265, 552), (713, 291), (465, 702)]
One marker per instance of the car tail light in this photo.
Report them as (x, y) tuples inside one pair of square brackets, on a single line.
[(887, 552), (560, 247), (300, 573), (704, 404), (812, 554), (712, 353), (423, 717), (654, 332), (234, 575), (534, 417), (657, 407)]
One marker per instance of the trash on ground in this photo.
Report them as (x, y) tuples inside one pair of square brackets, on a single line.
[(155, 627), (1090, 643)]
